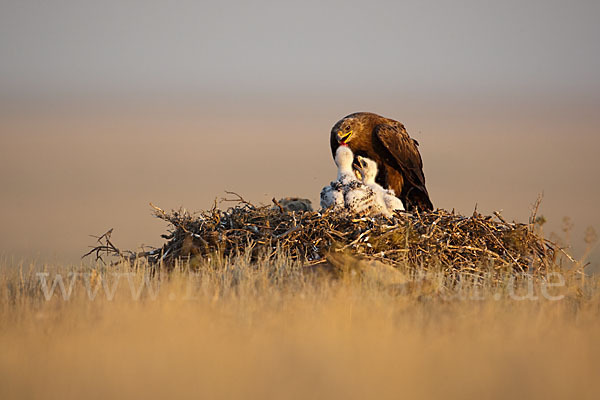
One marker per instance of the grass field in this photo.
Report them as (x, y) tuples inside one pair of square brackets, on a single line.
[(266, 330)]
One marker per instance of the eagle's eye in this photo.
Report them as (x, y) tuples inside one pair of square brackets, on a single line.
[(347, 128)]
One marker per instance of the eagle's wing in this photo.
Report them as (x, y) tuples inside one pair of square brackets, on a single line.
[(403, 151)]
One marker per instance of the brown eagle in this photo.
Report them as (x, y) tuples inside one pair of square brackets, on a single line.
[(397, 155)]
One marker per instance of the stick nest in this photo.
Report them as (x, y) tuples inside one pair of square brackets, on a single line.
[(418, 240)]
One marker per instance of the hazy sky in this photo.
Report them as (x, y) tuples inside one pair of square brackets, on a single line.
[(111, 46)]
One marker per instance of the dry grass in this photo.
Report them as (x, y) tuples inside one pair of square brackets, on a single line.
[(264, 329)]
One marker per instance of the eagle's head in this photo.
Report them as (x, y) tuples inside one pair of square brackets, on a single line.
[(345, 129)]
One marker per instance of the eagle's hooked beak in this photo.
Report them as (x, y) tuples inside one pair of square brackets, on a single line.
[(343, 137)]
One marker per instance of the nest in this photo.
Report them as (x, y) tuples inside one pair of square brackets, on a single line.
[(419, 240)]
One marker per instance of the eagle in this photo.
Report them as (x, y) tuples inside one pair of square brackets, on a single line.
[(386, 141)]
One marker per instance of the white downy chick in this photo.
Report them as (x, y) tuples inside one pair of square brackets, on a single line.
[(386, 198), (357, 197), (343, 159), (333, 195), (347, 191)]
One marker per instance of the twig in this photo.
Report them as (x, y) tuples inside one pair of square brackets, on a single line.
[(535, 209), (278, 205), (239, 199)]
